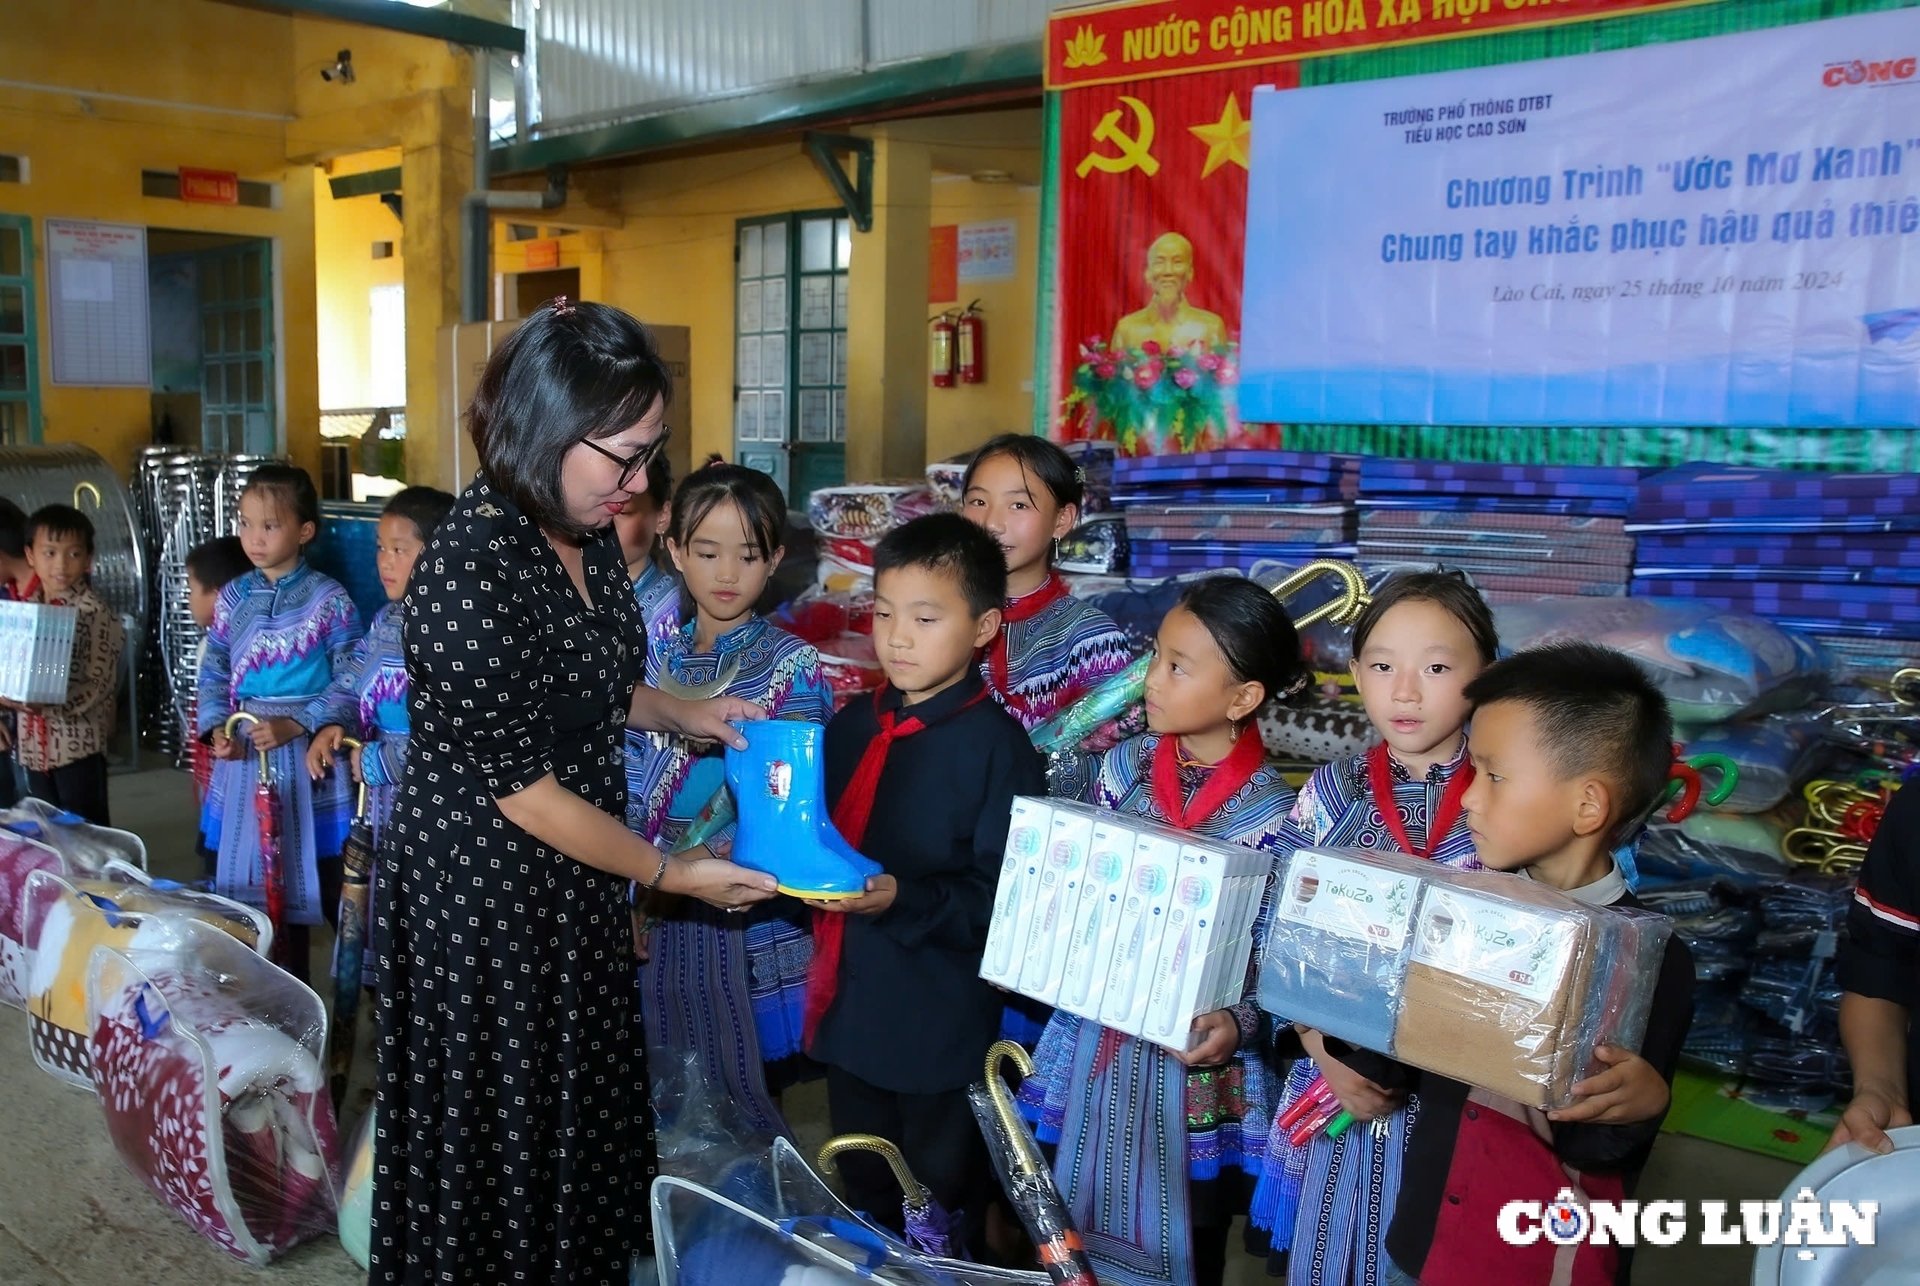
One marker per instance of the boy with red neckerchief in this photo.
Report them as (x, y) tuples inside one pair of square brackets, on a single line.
[(921, 778)]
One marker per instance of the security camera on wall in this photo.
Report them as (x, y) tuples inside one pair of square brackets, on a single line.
[(342, 69)]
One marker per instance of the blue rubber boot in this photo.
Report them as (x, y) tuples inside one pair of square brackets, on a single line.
[(779, 785)]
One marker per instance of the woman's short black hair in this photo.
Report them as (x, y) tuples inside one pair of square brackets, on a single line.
[(950, 545), (215, 562), (424, 507), (569, 373), (756, 495), (1450, 591), (1251, 630), (290, 487), (1038, 459), (660, 478)]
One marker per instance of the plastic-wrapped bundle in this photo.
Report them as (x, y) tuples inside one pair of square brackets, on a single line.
[(1336, 952), (206, 1059), (944, 479), (20, 857), (1773, 755), (844, 566), (819, 615), (870, 511), (1712, 664), (67, 919), (86, 848), (1098, 546), (1511, 986), (770, 1219), (849, 666), (1502, 983)]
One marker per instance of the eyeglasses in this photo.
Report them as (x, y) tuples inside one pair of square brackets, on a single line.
[(631, 465)]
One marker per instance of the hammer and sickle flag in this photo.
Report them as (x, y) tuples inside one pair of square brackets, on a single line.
[(1136, 149)]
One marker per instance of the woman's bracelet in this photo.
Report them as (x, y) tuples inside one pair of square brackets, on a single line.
[(658, 875)]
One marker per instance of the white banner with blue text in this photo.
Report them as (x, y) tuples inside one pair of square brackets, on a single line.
[(1722, 231)]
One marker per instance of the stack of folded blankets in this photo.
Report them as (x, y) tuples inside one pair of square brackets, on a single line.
[(1220, 510), (1520, 530), (1832, 555)]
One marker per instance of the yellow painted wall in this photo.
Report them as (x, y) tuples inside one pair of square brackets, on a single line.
[(244, 94), (343, 235), (672, 262), (961, 417)]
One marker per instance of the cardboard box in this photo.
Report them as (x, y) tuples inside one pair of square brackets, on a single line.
[(464, 350)]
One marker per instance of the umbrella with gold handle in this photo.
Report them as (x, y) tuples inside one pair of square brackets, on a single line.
[(930, 1229), (1024, 1171)]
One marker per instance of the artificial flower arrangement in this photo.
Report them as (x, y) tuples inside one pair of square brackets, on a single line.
[(1152, 399)]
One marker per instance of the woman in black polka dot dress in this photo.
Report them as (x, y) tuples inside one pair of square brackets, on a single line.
[(515, 1136)]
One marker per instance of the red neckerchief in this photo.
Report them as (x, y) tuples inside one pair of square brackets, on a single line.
[(1380, 782), (1226, 779), (24, 595), (1023, 608), (850, 817)]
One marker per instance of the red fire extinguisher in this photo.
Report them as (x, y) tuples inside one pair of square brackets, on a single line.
[(972, 343), (941, 356)]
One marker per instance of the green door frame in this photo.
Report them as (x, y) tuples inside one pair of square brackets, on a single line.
[(230, 356), (806, 465), (29, 339)]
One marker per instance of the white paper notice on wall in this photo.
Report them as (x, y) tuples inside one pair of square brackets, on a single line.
[(87, 281), (98, 303), (986, 250)]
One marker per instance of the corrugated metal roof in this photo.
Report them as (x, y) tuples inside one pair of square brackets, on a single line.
[(598, 62)]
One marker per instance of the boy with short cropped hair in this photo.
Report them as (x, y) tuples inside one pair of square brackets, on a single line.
[(1571, 746), (921, 778), (63, 746)]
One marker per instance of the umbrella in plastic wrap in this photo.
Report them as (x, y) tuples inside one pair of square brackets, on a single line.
[(350, 944), (1024, 1174), (1061, 736), (266, 808), (930, 1229)]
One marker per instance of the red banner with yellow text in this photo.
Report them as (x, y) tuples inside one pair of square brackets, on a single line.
[(1143, 39), (1149, 193), (1152, 186)]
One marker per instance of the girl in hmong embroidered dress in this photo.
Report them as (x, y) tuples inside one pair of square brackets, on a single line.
[(730, 987), (278, 635), (1052, 648), (1156, 1151), (1326, 1206)]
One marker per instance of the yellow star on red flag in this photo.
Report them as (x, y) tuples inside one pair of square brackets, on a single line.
[(1227, 139)]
